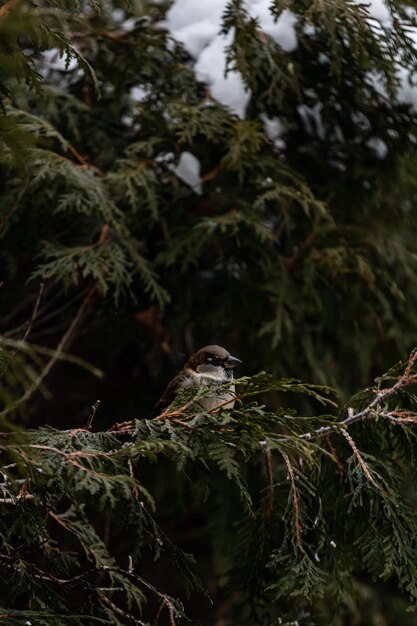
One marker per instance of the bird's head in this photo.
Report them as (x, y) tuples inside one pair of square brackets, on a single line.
[(214, 361)]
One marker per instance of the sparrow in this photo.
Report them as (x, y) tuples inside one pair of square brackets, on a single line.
[(212, 365)]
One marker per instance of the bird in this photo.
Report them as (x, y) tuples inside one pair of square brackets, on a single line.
[(211, 365)]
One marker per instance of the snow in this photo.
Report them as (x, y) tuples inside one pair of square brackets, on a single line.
[(378, 146), (138, 94), (274, 129), (187, 12), (188, 170), (197, 25), (281, 31), (312, 120), (407, 92), (379, 10), (196, 37), (229, 89), (53, 59)]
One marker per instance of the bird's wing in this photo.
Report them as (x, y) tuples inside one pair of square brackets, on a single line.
[(182, 379)]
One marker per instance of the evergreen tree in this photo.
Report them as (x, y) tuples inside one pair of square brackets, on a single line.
[(299, 505)]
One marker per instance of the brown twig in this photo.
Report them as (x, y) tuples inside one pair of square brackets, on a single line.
[(168, 414), (217, 408), (58, 352), (170, 612), (77, 155), (39, 573), (181, 423), (120, 38), (128, 428), (123, 428), (295, 498), (169, 605), (135, 490), (158, 613), (335, 457), (361, 462), (91, 416), (119, 611), (34, 312), (101, 239), (6, 8)]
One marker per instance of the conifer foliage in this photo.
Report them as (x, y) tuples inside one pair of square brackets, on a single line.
[(297, 252)]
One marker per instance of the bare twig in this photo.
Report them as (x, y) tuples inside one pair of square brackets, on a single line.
[(361, 462), (295, 498), (123, 428), (135, 494), (77, 155), (168, 414), (217, 408), (56, 312), (5, 319), (170, 612), (170, 607), (182, 423), (335, 457), (161, 606), (34, 312), (58, 352), (119, 611), (6, 8), (93, 411)]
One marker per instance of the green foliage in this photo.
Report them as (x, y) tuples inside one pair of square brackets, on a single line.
[(332, 218), (322, 509), (297, 252)]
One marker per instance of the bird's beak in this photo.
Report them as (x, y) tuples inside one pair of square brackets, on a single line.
[(231, 361)]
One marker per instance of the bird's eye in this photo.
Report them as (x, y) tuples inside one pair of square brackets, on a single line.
[(215, 360)]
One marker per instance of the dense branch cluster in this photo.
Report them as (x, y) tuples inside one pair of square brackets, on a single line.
[(57, 478)]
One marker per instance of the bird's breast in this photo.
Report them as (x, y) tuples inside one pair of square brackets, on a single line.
[(224, 398)]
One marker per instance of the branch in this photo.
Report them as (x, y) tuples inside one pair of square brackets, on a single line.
[(34, 312), (120, 611), (58, 352), (93, 411), (361, 462), (6, 8), (370, 411), (168, 414), (295, 498)]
